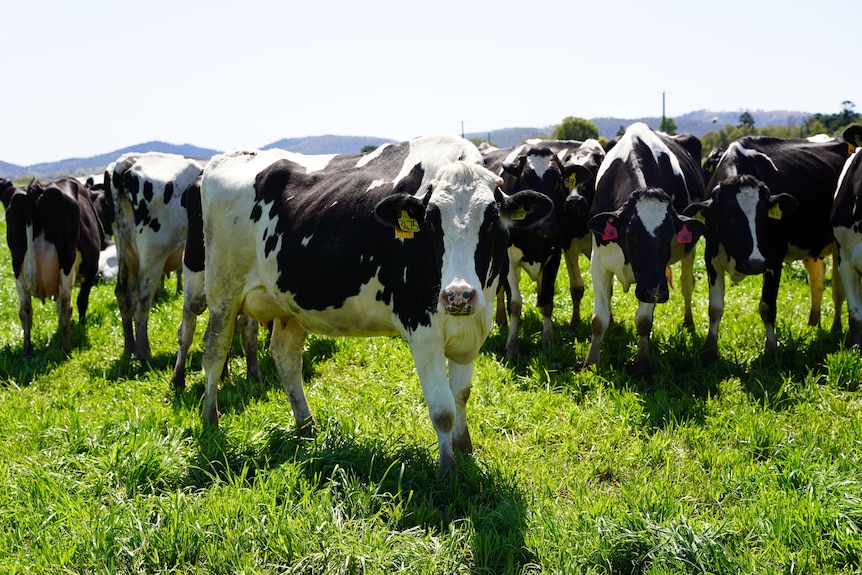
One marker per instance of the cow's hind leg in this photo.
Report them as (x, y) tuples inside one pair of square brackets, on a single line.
[(249, 329), (25, 315), (217, 340), (288, 338), (460, 382), (64, 310)]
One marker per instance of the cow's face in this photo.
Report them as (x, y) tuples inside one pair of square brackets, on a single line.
[(740, 215), (469, 219), (645, 228)]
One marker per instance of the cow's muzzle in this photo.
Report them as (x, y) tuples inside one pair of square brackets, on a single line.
[(459, 299), (658, 294)]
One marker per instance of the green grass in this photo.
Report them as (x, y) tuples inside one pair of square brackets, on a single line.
[(751, 465)]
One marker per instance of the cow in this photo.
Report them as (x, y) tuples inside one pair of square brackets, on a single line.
[(846, 220), (150, 226), (768, 202), (576, 236), (194, 295), (409, 239), (643, 185), (54, 235), (536, 250)]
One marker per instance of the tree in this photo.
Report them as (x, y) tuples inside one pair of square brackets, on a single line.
[(572, 128), (746, 120), (668, 126), (621, 131)]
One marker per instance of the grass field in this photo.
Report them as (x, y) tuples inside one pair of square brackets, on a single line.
[(751, 465)]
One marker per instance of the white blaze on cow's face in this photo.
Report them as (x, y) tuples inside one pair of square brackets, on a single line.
[(748, 198), (461, 196), (652, 212)]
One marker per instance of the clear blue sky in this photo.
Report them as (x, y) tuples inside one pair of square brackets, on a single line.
[(92, 76)]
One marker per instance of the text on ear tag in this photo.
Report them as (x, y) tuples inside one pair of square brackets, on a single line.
[(571, 182), (610, 232), (774, 212), (407, 226), (519, 214), (684, 235)]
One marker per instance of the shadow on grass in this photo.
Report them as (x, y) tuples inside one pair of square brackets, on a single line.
[(386, 471), (46, 355)]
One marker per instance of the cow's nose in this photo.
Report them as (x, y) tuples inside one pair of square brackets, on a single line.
[(459, 299), (752, 266), (658, 294)]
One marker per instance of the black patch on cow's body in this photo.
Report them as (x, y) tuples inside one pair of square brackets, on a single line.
[(331, 245), (169, 192), (194, 254)]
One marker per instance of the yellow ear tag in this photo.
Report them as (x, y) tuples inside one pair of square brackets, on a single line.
[(775, 212), (851, 148), (407, 226), (519, 214), (699, 217), (571, 181), (858, 140)]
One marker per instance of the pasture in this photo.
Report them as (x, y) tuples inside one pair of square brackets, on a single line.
[(751, 465)]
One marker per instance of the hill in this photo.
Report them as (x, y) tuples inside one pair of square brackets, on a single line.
[(698, 123)]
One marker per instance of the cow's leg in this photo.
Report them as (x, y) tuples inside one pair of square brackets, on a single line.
[(545, 284), (460, 382), (851, 280), (64, 310), (768, 299), (602, 292), (217, 341), (513, 344), (709, 353), (576, 285), (25, 315), (686, 281), (194, 304), (288, 338), (124, 304), (427, 350), (838, 294), (643, 324), (143, 293), (249, 329), (501, 316), (816, 270)]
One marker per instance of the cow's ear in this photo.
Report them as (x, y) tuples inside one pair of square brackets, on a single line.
[(576, 174), (515, 168), (525, 208), (388, 211), (697, 210), (689, 230), (853, 136), (607, 224), (780, 204)]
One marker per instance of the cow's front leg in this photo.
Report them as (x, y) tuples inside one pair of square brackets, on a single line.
[(709, 352), (838, 294), (643, 324), (576, 284), (288, 339), (545, 283), (427, 351), (513, 279), (816, 270), (768, 299), (602, 293), (686, 280), (460, 382)]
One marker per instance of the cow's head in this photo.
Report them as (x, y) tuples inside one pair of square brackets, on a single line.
[(7, 189), (738, 216), (469, 219), (645, 228)]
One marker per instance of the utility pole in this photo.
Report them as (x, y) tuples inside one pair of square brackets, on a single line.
[(661, 127)]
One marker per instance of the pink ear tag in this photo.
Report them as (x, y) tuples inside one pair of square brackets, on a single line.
[(684, 235), (610, 232)]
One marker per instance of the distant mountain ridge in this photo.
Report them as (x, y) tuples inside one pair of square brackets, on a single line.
[(698, 123)]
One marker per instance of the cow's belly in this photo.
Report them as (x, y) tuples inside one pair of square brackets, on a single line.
[(361, 315), (795, 253)]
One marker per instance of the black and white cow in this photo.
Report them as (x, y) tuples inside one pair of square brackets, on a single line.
[(150, 226), (847, 226), (644, 183), (576, 236), (54, 235), (536, 250), (409, 239), (768, 202)]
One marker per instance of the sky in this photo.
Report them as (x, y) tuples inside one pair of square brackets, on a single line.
[(88, 77)]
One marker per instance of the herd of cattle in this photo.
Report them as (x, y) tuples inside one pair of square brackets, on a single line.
[(420, 238)]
